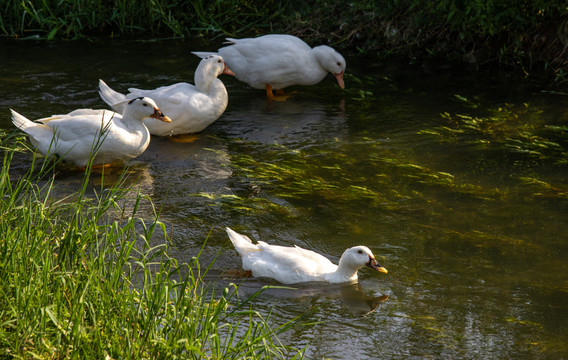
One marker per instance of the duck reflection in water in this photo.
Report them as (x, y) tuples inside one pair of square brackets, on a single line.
[(354, 296), (358, 302)]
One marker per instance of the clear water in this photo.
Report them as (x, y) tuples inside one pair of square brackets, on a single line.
[(467, 211)]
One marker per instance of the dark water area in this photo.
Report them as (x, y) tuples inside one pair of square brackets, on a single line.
[(457, 180)]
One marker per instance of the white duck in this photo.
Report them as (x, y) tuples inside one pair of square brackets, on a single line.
[(191, 107), (74, 136), (278, 61), (290, 265)]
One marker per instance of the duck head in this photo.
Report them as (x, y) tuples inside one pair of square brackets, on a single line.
[(144, 107), (360, 256), (332, 61), (214, 65)]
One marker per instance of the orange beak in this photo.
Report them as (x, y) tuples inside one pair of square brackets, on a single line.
[(339, 78), (160, 116), (375, 265), (228, 71)]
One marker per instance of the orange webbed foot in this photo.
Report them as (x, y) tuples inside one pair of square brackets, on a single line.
[(280, 94), (184, 138)]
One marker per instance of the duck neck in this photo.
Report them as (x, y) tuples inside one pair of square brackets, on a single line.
[(128, 122), (203, 79), (319, 55), (345, 272), (215, 89)]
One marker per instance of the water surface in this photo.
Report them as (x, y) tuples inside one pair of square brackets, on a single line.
[(457, 180)]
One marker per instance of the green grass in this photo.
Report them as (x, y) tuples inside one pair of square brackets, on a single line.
[(71, 19), (80, 279)]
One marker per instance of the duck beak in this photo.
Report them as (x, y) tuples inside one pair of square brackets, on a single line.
[(375, 265), (160, 116), (339, 78), (228, 71)]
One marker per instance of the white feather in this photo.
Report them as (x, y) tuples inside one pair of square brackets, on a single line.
[(290, 265), (76, 136), (280, 61), (190, 107)]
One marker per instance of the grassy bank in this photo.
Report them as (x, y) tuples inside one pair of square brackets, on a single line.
[(80, 279), (527, 34)]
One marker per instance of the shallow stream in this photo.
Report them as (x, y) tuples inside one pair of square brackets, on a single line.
[(457, 181)]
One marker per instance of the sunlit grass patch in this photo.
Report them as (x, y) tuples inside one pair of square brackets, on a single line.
[(85, 277)]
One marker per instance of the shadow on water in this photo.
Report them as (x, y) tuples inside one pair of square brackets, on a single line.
[(457, 181)]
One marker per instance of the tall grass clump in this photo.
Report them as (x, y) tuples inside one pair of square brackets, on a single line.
[(80, 279), (71, 19), (79, 18)]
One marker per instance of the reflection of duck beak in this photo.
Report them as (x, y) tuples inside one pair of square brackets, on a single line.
[(375, 265), (339, 78), (160, 116), (228, 71), (358, 301)]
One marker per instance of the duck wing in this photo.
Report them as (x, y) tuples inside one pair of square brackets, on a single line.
[(279, 60), (288, 265), (173, 100), (80, 125)]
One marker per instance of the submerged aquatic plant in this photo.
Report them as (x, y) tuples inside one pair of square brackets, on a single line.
[(362, 178), (508, 127), (80, 281), (276, 179)]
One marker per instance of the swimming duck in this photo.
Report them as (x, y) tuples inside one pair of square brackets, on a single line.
[(191, 107), (278, 61), (74, 136), (290, 265)]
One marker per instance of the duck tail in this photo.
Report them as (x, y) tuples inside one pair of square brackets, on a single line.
[(230, 41), (113, 99), (20, 121), (35, 130), (203, 54), (241, 242)]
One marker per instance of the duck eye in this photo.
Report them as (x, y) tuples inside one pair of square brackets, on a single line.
[(359, 251), (145, 104)]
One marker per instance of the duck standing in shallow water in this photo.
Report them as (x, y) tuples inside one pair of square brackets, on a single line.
[(190, 107), (274, 62), (79, 134), (290, 265)]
